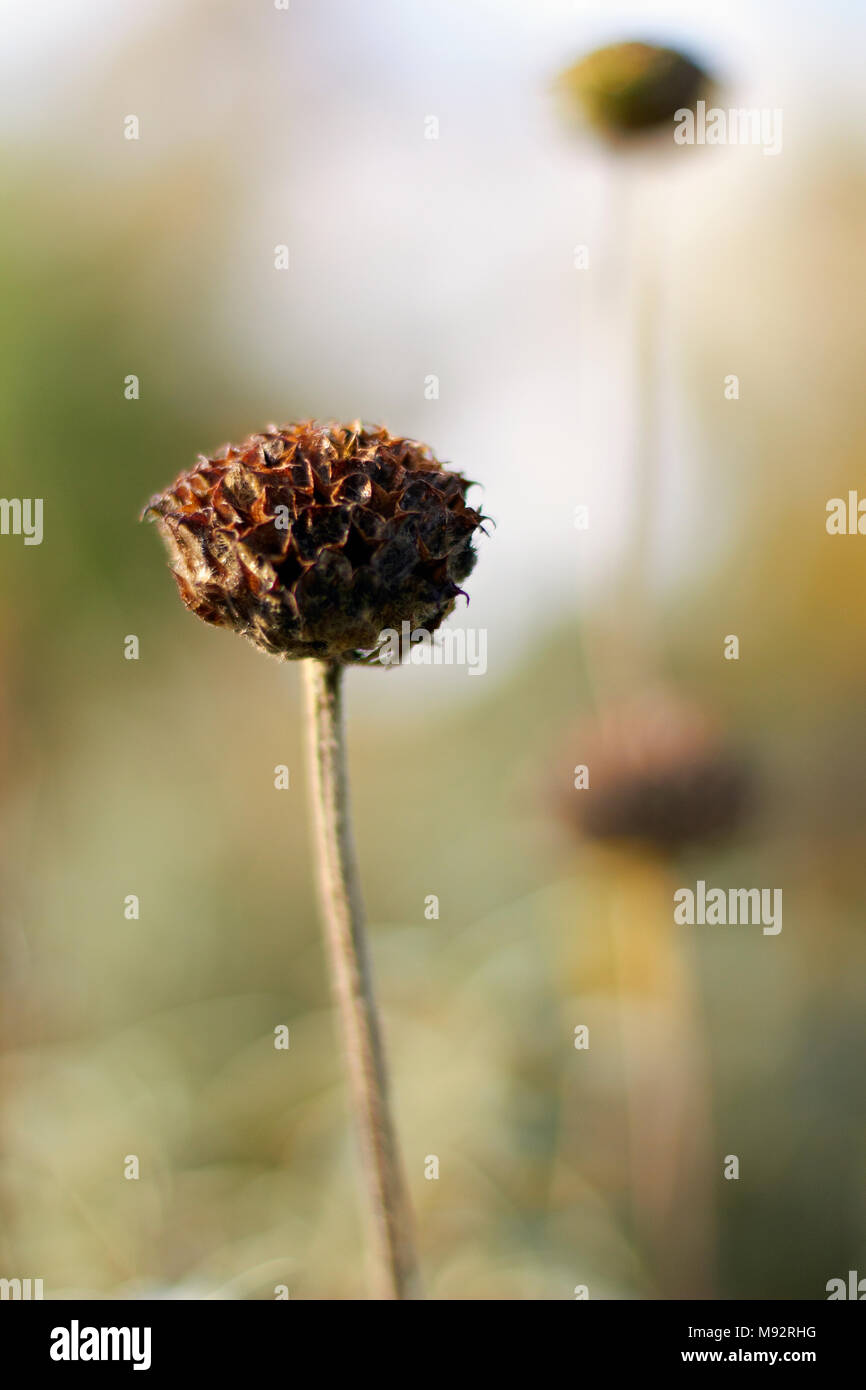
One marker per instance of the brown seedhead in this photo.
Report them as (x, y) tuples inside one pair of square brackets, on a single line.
[(311, 539)]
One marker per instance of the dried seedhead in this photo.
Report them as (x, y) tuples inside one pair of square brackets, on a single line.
[(628, 88), (312, 539), (660, 774)]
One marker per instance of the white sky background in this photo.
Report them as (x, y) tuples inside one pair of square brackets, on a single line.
[(453, 256)]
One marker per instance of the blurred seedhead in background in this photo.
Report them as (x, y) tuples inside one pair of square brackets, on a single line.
[(410, 257), (630, 89), (659, 773)]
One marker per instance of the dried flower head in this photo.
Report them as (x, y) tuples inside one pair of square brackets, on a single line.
[(629, 88), (660, 774), (312, 539)]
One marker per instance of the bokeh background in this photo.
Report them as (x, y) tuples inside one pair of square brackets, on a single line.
[(412, 257)]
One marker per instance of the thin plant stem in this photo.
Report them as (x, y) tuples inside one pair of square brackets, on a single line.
[(346, 939)]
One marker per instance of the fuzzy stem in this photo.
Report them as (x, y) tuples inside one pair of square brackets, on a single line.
[(343, 924)]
